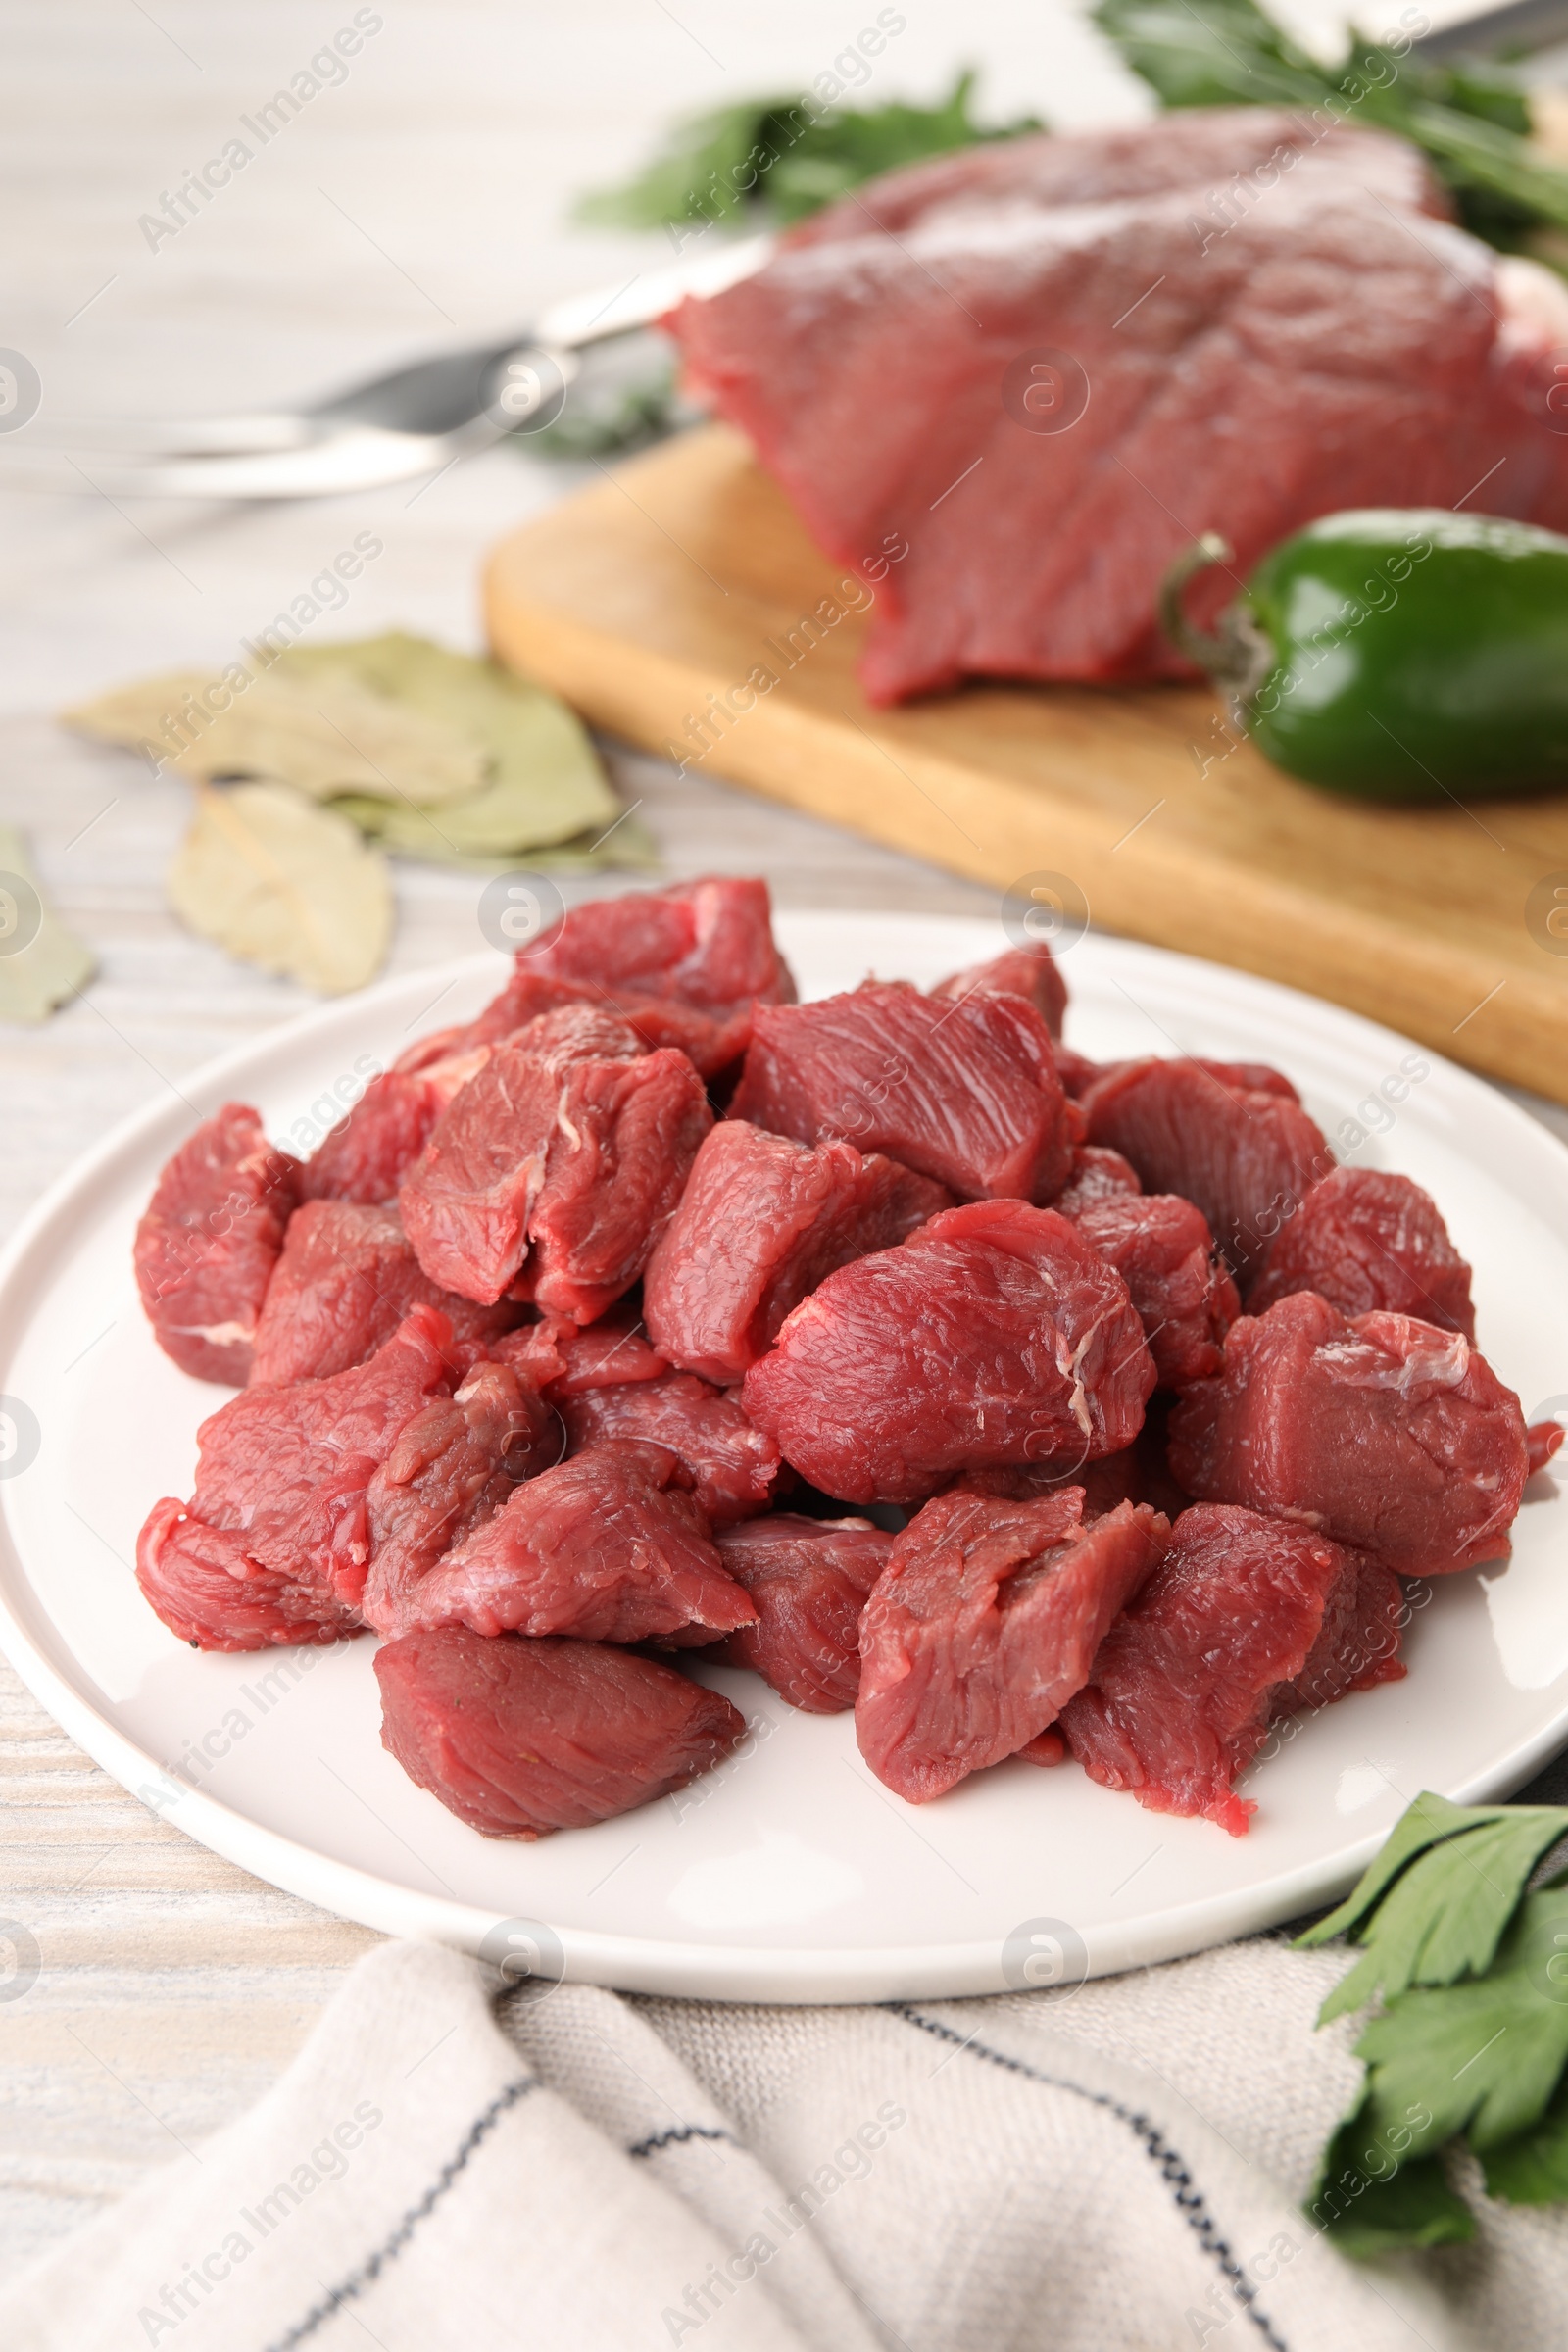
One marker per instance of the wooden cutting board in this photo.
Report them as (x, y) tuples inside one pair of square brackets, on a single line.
[(650, 599)]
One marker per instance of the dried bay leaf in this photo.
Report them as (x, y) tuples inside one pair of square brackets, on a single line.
[(157, 717), (489, 842), (545, 784), (325, 735), (41, 961), (285, 884)]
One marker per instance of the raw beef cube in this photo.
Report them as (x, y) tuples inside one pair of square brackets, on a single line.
[(888, 366), (1096, 1174), (683, 967), (368, 1154), (1076, 1071), (1117, 1478), (346, 1279), (1139, 1473), (966, 1093), (807, 1580), (761, 1222), (1250, 1077), (995, 1334), (604, 1546), (560, 1162), (983, 1624), (734, 1466), (286, 1469), (452, 1467), (1164, 1251), (1542, 1440), (1245, 1619), (208, 1240), (1362, 1239), (1031, 972), (524, 999), (606, 1355), (562, 1358), (522, 1738), (1248, 1156), (707, 943), (208, 1588), (1382, 1431)]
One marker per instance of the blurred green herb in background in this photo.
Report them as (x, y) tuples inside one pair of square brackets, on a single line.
[(779, 159), (1470, 116)]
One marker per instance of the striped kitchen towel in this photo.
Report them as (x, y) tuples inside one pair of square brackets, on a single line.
[(453, 2164)]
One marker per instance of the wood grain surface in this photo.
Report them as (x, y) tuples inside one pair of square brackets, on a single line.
[(650, 598)]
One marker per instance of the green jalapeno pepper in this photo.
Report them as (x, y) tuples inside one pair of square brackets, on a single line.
[(1396, 653)]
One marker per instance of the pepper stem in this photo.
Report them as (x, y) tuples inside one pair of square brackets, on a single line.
[(1236, 656)]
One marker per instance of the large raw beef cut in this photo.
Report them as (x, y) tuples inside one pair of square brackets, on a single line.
[(995, 1334), (983, 1624), (522, 1738), (207, 1241), (807, 1580), (560, 1162), (761, 1222), (1382, 1431), (1010, 386), (966, 1092), (607, 1547), (346, 1279), (1245, 1619), (1365, 1238)]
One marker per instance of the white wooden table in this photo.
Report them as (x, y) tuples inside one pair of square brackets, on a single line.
[(421, 200)]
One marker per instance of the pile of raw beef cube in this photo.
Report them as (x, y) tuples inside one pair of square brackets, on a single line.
[(881, 1345)]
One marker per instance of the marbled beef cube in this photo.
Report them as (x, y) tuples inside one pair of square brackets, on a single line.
[(983, 1624), (1244, 1620), (1247, 1155), (522, 1738), (995, 1334), (1030, 972), (208, 1240), (553, 1172), (1380, 1430), (763, 1221), (607, 1546), (807, 1580), (345, 1280), (1162, 1249), (1363, 1238), (733, 1466), (286, 1491), (966, 1093)]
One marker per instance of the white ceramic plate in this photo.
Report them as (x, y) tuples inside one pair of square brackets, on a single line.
[(789, 1874)]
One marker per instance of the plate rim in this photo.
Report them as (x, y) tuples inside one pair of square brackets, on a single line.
[(804, 1974)]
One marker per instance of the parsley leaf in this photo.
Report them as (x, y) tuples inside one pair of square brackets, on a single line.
[(1434, 1905), (1471, 116), (1531, 2169), (1484, 2056), (785, 156), (1471, 2038), (1370, 2203)]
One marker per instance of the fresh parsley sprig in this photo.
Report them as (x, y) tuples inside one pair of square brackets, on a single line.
[(1470, 2042), (780, 159), (1471, 116)]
